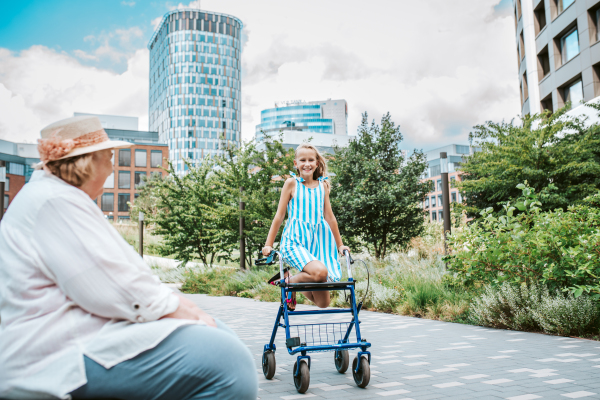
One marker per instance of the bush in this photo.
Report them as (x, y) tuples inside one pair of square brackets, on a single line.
[(508, 306), (566, 315), (534, 308), (557, 248)]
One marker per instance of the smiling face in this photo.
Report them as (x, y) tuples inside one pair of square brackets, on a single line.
[(306, 162)]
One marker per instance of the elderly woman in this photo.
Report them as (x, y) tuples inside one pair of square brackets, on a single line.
[(81, 315)]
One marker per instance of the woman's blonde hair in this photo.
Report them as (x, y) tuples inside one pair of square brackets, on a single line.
[(73, 170), (321, 162)]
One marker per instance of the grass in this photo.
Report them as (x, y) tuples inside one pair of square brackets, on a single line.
[(408, 283)]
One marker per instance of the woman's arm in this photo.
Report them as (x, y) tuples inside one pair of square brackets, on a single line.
[(330, 218), (286, 195)]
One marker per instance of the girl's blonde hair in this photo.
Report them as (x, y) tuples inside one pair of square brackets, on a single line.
[(321, 163)]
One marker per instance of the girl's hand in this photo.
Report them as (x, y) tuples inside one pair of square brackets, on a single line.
[(267, 250), (343, 248)]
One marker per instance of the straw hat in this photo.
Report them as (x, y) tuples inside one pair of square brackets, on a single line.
[(73, 137)]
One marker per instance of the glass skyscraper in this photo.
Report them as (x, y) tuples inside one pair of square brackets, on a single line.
[(195, 89)]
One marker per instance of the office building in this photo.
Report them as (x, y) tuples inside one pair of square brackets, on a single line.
[(433, 202), (326, 122), (195, 89), (20, 159), (558, 54), (113, 121)]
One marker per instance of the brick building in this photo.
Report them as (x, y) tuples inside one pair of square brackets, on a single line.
[(144, 158), (130, 165), (19, 159)]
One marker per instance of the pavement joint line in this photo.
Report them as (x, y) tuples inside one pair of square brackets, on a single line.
[(536, 368)]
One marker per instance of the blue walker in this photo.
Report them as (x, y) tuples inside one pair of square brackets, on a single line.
[(317, 337)]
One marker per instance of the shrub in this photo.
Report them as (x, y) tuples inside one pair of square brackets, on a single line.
[(533, 307), (566, 315), (508, 306), (557, 248)]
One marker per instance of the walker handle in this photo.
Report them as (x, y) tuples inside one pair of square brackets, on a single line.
[(349, 261)]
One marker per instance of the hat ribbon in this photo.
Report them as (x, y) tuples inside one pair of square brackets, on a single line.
[(55, 147)]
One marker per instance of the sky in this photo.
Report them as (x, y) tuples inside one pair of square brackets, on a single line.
[(438, 67)]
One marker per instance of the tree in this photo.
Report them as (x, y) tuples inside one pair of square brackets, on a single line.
[(262, 173), (182, 211), (376, 193), (548, 149)]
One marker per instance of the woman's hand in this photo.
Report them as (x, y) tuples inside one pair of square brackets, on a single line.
[(188, 310), (344, 248), (267, 250)]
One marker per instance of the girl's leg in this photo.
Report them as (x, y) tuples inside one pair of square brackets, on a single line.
[(314, 271)]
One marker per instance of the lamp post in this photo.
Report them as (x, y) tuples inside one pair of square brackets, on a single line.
[(242, 238), (2, 180), (445, 198), (141, 219)]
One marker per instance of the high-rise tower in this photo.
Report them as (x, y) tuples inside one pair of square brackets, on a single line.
[(195, 65)]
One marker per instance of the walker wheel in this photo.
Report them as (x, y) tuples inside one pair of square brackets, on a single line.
[(342, 359), (303, 379), (268, 364), (363, 376)]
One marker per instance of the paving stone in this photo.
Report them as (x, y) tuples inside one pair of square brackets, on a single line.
[(414, 360)]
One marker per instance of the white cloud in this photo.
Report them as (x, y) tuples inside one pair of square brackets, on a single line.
[(128, 3), (39, 86), (439, 67)]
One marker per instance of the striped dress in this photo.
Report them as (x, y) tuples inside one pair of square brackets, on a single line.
[(307, 236)]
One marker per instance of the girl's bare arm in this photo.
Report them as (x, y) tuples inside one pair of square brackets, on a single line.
[(286, 195), (330, 218)]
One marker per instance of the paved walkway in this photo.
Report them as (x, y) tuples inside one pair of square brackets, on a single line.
[(422, 359)]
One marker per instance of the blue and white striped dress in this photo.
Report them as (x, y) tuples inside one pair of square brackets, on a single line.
[(307, 236)]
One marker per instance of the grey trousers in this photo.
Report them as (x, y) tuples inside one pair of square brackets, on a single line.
[(194, 362)]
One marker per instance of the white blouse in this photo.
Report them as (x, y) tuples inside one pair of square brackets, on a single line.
[(70, 286)]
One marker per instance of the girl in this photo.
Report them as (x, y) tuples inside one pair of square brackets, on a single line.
[(311, 232)]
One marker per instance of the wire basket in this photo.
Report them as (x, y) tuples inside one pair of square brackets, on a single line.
[(320, 334)]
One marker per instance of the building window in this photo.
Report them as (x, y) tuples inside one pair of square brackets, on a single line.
[(124, 180), (156, 173), (156, 158), (574, 94), (6, 201), (543, 64), (433, 216), (453, 197), (426, 202), (569, 45), (540, 18), (564, 4), (7, 184), (433, 201), (441, 215), (110, 182), (522, 46), (546, 104), (138, 178), (123, 200), (15, 169), (452, 181), (439, 185), (108, 202), (125, 158), (462, 149), (140, 158), (440, 203), (525, 89), (435, 170)]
